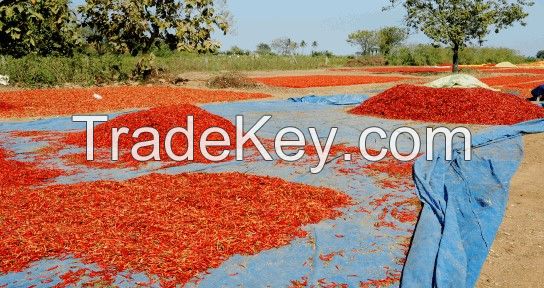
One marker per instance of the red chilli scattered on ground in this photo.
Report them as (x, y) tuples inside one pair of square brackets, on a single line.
[(163, 119), (510, 80), (22, 174), (323, 80), (70, 101), (409, 69), (449, 105), (172, 226), (390, 279)]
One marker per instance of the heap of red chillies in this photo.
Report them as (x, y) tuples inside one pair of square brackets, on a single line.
[(323, 80), (172, 226), (70, 101), (449, 105), (4, 106), (163, 119)]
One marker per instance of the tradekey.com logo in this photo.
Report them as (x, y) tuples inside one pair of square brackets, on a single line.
[(297, 139)]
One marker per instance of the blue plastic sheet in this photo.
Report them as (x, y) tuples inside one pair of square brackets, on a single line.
[(450, 228), (362, 252), (331, 100), (464, 204)]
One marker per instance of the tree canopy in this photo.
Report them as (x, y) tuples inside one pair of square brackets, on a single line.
[(382, 40), (135, 26), (41, 27), (389, 37), (457, 23), (366, 40)]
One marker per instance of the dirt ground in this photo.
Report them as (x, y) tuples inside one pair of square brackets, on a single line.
[(517, 256)]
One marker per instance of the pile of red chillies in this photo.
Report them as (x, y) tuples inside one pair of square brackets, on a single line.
[(449, 105)]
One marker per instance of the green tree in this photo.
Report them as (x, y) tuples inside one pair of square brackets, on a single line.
[(137, 26), (389, 37), (303, 45), (540, 54), (263, 49), (315, 45), (235, 50), (41, 27), (366, 40), (457, 23)]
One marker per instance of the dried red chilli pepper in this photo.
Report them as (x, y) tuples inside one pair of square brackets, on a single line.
[(323, 80), (60, 101), (172, 226), (449, 105)]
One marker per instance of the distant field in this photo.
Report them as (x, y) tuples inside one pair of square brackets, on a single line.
[(85, 70)]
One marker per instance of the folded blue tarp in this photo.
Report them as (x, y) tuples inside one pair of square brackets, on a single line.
[(331, 100), (464, 204)]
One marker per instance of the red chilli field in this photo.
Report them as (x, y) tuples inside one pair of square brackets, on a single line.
[(323, 80), (69, 101)]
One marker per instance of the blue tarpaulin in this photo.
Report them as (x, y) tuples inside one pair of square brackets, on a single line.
[(331, 100), (464, 204)]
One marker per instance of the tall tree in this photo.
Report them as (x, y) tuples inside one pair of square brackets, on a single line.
[(303, 45), (389, 37), (284, 46), (366, 40), (457, 23), (136, 26), (40, 27)]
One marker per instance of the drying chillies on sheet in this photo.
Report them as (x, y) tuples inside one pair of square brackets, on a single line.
[(171, 226), (450, 105)]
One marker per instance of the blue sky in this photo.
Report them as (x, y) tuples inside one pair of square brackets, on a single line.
[(329, 23)]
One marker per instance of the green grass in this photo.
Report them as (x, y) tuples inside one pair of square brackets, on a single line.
[(86, 70)]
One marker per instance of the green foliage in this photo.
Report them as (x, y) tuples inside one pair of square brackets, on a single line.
[(382, 40), (390, 37), (324, 53), (33, 70), (421, 55), (263, 49), (46, 27), (235, 50), (145, 68), (128, 26), (366, 40), (540, 54), (457, 23)]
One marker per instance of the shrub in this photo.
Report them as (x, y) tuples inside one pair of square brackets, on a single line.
[(231, 80), (367, 61), (420, 55)]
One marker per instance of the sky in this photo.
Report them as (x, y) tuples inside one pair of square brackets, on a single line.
[(329, 22)]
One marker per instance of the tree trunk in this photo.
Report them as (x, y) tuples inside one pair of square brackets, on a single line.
[(455, 67)]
